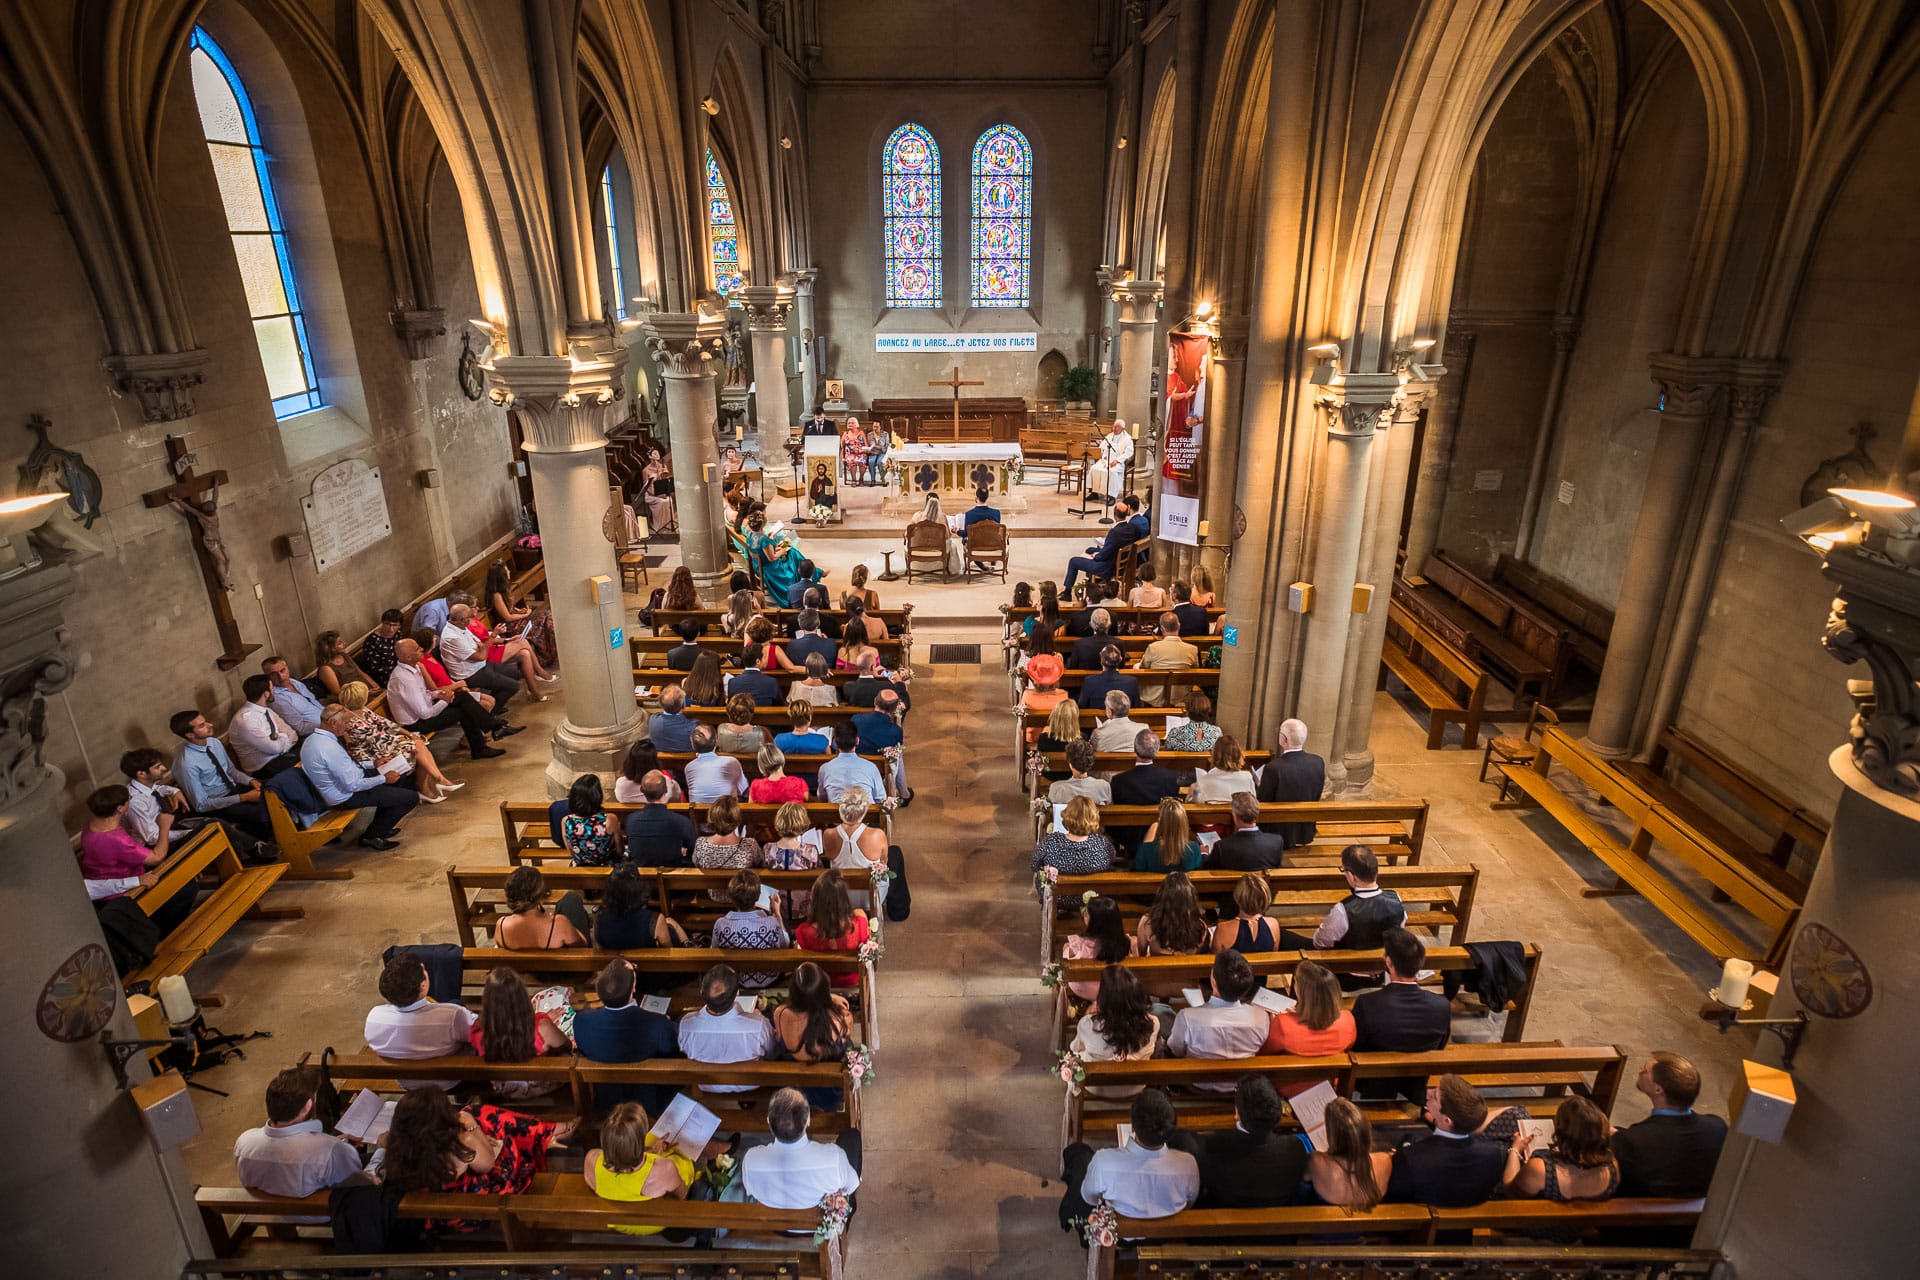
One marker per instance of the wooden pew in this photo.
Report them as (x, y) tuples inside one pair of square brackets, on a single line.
[(796, 766), (1556, 1070), (1167, 679), (1395, 829), (896, 621), (1053, 764), (1787, 823), (1126, 619), (1762, 889), (556, 1204), (1435, 897), (1588, 624), (648, 681), (1191, 971), (775, 718), (1527, 648), (1425, 661), (530, 839), (206, 852), (298, 845), (650, 652), (1415, 1226)]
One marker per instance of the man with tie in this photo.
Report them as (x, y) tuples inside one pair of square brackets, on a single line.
[(212, 783), (1100, 561), (263, 742)]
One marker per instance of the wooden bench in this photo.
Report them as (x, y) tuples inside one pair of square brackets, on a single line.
[(1587, 623), (1163, 972), (207, 852), (298, 845), (1529, 649), (648, 681), (1164, 679), (1053, 764), (1788, 825), (1425, 661), (650, 652), (1435, 897), (530, 838), (1554, 1069), (1126, 619), (897, 621), (1755, 884), (796, 766), (555, 1204), (1415, 1227), (1396, 830)]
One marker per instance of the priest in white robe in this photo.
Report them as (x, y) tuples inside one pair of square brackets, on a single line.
[(1108, 476)]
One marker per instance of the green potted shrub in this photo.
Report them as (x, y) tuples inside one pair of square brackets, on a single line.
[(1077, 386)]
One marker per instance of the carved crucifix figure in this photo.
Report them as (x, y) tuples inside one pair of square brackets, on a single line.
[(956, 384), (197, 498)]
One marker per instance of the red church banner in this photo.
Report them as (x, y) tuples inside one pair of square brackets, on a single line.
[(1183, 439)]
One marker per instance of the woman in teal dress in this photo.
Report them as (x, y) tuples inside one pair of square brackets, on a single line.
[(778, 557)]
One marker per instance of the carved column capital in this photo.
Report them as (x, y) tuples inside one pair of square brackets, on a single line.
[(767, 306), (1754, 382), (1233, 331), (1876, 620), (1139, 300), (1690, 386), (565, 402), (162, 383), (683, 343), (804, 279), (1360, 403), (420, 329)]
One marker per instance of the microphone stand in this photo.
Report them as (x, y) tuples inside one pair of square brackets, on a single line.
[(1086, 483), (796, 454)]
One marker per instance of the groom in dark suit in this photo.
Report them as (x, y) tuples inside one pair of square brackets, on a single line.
[(1101, 561)]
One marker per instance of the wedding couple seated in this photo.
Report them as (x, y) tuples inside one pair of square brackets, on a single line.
[(977, 537)]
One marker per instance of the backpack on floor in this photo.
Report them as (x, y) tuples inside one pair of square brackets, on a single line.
[(132, 936), (899, 904), (654, 601)]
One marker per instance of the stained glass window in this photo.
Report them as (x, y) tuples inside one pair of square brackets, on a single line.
[(1002, 217), (723, 232), (613, 244), (240, 165), (910, 176)]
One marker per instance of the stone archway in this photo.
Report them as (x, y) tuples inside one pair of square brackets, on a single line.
[(1053, 367)]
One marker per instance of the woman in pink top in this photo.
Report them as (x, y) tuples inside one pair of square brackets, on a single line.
[(1103, 937), (773, 786), (109, 855), (1316, 1025)]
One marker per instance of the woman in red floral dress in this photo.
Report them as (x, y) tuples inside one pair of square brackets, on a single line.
[(484, 1150)]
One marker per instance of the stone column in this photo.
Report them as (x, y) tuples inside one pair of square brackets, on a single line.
[(1381, 545), (1436, 449), (88, 1194), (683, 345), (1108, 352), (1691, 388), (1221, 444), (1854, 971), (810, 372), (1139, 307), (1566, 332), (1361, 405), (566, 404), (767, 308)]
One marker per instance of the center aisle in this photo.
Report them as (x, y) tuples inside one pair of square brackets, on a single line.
[(961, 1127)]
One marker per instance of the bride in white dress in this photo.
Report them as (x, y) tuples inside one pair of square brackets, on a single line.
[(956, 549)]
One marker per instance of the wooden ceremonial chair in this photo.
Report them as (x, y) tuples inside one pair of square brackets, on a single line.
[(986, 548), (1506, 749), (926, 540), (631, 556)]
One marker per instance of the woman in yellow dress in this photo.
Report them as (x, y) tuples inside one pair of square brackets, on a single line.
[(630, 1166)]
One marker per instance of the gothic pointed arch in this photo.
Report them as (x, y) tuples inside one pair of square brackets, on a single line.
[(1156, 161), (736, 136), (1002, 219), (910, 224)]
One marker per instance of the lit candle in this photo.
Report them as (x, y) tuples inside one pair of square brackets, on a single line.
[(1136, 431), (1735, 976)]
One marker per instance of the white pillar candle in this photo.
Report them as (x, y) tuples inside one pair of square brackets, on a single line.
[(175, 999), (1735, 976)]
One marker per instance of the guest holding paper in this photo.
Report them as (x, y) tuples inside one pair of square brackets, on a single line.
[(631, 1165), (1348, 1172), (1578, 1163), (1225, 1026), (1315, 1026)]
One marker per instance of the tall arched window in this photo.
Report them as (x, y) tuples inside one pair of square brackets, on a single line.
[(240, 163), (1002, 218), (723, 232), (910, 178), (613, 244)]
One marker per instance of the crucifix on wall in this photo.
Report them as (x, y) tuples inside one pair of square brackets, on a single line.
[(198, 499), (956, 384)]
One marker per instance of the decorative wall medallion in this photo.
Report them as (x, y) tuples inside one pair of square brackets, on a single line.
[(79, 998), (1239, 522), (473, 383), (1854, 469), (1829, 977), (611, 522)]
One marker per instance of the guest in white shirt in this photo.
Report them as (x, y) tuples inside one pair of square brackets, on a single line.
[(721, 1031), (293, 701), (1225, 1026), (793, 1171), (292, 1154), (709, 774), (152, 805), (464, 655), (262, 741), (409, 1025), (1144, 1179), (417, 706), (1080, 760)]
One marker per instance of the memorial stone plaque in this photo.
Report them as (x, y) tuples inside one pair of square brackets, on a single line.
[(346, 511)]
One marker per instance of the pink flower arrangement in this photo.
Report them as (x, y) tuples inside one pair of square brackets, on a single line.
[(1071, 1070), (860, 1065)]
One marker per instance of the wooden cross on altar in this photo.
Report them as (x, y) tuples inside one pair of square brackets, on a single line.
[(956, 384), (198, 499)]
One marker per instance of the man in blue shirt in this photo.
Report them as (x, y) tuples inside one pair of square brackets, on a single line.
[(670, 728), (979, 511), (210, 780), (432, 615), (810, 574), (803, 739), (847, 769), (880, 727), (291, 698), (344, 785), (1095, 688), (656, 835)]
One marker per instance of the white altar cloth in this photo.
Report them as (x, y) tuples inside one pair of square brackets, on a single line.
[(952, 471)]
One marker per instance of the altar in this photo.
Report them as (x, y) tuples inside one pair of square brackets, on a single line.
[(952, 472)]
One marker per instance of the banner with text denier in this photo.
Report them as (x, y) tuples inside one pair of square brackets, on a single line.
[(1182, 442)]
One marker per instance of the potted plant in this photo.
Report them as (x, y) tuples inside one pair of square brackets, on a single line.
[(1077, 386)]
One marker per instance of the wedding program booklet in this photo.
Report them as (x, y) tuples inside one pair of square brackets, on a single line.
[(686, 1126), (368, 1119)]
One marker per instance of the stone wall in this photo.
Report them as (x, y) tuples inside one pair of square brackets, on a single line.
[(140, 624), (885, 64)]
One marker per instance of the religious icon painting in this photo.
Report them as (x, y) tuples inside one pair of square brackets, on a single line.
[(1829, 977)]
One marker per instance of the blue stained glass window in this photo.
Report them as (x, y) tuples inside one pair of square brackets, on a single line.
[(613, 244), (910, 179), (253, 221), (723, 232), (1002, 218)]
